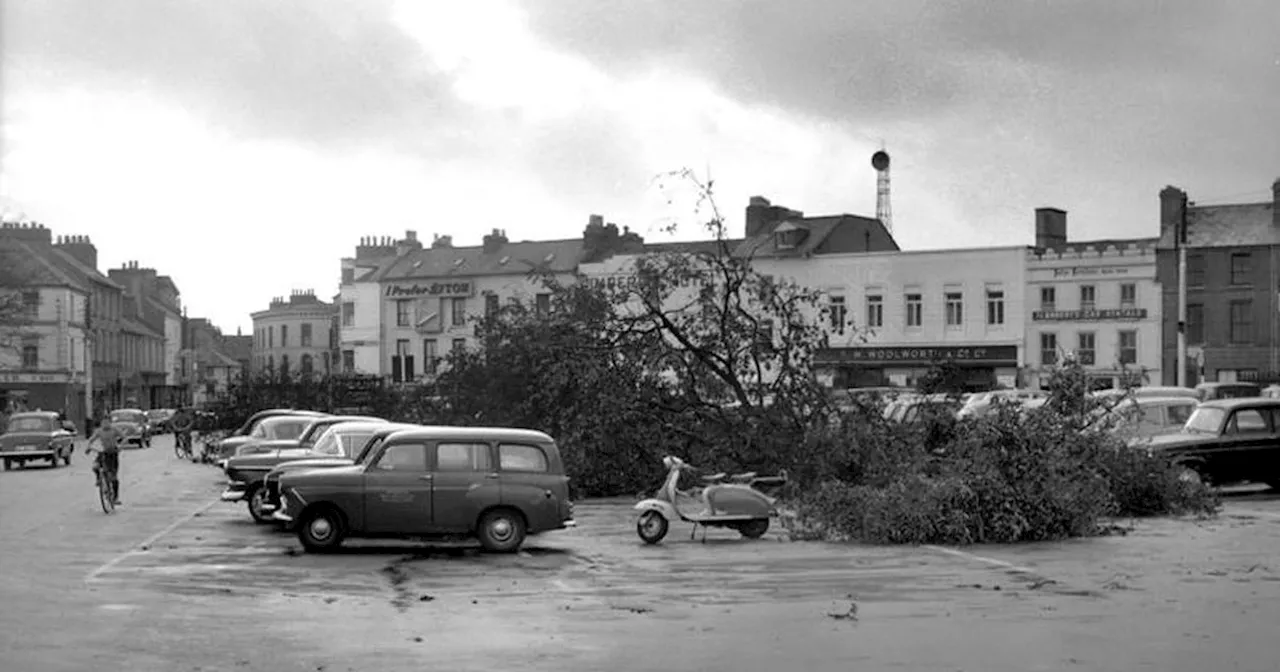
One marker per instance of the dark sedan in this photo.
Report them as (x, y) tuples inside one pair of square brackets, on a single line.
[(38, 435), (1228, 441), (133, 426)]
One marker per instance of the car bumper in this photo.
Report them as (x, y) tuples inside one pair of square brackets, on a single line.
[(235, 492), (222, 464), (283, 518), (568, 524), (42, 454)]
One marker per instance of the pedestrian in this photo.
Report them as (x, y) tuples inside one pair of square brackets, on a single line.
[(109, 445)]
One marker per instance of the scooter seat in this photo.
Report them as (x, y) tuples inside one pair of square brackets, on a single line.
[(745, 476), (714, 477)]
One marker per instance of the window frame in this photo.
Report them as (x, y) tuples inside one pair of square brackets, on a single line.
[(875, 310), (995, 307), (387, 448), (488, 467), (1121, 348), (953, 309), (914, 303), (546, 459)]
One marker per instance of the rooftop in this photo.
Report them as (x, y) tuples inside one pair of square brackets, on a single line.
[(1231, 225), (512, 258)]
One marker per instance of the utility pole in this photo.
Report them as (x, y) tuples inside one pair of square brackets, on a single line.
[(1182, 294)]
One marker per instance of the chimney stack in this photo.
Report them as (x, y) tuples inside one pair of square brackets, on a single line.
[(763, 215), (1051, 228), (1275, 202), (1172, 202), (494, 241), (81, 249)]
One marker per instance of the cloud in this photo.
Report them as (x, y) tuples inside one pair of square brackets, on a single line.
[(316, 71)]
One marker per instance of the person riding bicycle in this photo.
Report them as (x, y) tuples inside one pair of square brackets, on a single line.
[(183, 424), (108, 439)]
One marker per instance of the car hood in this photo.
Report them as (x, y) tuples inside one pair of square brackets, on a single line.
[(25, 438), (304, 477), (311, 463), (1176, 440)]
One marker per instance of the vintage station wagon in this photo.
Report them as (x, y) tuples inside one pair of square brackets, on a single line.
[(496, 484)]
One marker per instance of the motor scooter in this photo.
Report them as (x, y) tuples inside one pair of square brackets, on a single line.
[(737, 504)]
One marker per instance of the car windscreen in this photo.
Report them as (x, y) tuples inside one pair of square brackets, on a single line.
[(353, 442), (315, 429), (370, 448), (329, 444), (128, 416), (1205, 420), (286, 430), (30, 424)]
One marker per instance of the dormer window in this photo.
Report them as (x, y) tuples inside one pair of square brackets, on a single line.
[(788, 236)]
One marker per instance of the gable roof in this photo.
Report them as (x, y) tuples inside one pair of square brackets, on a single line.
[(73, 265), (1235, 225), (558, 256), (132, 325), (820, 229), (35, 268)]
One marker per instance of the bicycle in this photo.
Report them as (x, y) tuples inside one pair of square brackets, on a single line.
[(106, 488), (182, 446)]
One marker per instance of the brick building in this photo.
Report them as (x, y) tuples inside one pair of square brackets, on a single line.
[(1233, 287)]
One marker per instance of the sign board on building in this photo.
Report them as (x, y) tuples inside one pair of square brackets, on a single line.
[(1075, 271), (417, 290), (34, 378), (1089, 315), (988, 354)]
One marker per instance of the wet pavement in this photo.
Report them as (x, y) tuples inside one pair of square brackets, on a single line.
[(176, 580)]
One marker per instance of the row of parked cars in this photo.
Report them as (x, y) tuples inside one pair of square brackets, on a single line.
[(332, 477), (1226, 433)]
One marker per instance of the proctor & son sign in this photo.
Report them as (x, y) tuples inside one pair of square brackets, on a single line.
[(1089, 315), (424, 289)]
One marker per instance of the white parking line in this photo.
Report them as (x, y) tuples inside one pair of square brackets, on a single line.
[(146, 543), (981, 559)]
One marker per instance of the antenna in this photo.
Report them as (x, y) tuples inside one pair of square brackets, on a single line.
[(880, 161)]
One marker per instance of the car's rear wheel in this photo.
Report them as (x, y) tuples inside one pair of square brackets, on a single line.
[(321, 530), (501, 531), (256, 499)]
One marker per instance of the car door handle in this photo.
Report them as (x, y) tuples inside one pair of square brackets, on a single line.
[(426, 477)]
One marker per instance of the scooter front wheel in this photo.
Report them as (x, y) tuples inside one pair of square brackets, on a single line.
[(652, 527)]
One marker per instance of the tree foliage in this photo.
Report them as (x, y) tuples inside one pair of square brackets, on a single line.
[(15, 277)]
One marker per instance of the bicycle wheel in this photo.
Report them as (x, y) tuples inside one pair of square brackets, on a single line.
[(106, 494), (177, 447)]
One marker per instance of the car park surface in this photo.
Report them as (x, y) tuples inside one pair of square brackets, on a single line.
[(174, 581)]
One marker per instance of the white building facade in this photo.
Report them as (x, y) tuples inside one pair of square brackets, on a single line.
[(1100, 303)]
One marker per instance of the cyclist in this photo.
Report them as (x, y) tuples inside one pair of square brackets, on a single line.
[(182, 423), (109, 446)]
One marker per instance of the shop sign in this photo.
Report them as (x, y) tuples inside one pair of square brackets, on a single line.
[(34, 378), (1007, 354), (1089, 315), (451, 288), (1075, 271)]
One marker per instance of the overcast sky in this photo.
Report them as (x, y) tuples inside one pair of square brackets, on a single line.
[(244, 146)]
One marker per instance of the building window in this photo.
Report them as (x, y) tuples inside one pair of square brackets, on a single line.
[(306, 336), (271, 363), (1048, 299), (542, 304), (1195, 323), (1048, 349), (995, 306), (31, 305), (1088, 297), (1241, 268), (1085, 348), (1241, 321), (1128, 295), (459, 344), (430, 357), (271, 337), (348, 360), (348, 313), (1195, 270), (458, 311), (30, 353), (284, 335), (284, 363), (839, 314), (306, 365), (490, 305), (915, 310), (405, 355), (1129, 347), (875, 310), (955, 308), (403, 309), (328, 366)]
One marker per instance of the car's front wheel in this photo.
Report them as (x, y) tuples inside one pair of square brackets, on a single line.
[(257, 499), (321, 530), (501, 531)]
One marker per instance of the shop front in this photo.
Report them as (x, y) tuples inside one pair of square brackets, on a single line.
[(46, 391), (979, 367)]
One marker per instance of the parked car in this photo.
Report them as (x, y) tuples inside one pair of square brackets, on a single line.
[(133, 427), (1164, 391), (496, 484), (1208, 391), (980, 403), (36, 435), (158, 419), (1141, 418), (1229, 441), (311, 433), (1271, 391), (245, 473), (226, 447), (271, 482)]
